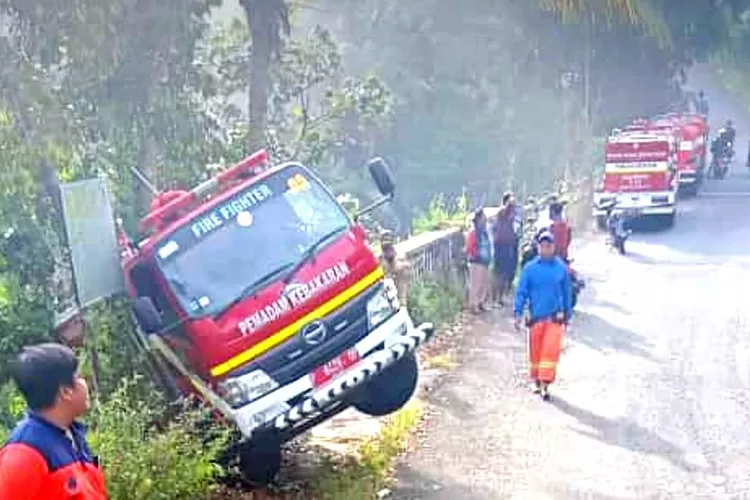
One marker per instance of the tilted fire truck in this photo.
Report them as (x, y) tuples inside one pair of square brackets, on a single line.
[(640, 175), (257, 292)]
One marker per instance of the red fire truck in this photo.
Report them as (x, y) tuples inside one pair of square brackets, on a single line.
[(690, 135), (256, 291), (639, 175)]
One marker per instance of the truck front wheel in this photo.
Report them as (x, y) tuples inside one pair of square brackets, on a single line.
[(259, 460), (390, 390)]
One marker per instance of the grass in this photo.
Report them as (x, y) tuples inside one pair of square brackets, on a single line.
[(440, 362), (361, 478), (435, 301)]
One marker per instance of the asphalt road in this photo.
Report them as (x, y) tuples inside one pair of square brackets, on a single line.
[(653, 397)]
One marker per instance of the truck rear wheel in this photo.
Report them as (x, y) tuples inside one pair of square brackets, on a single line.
[(390, 390)]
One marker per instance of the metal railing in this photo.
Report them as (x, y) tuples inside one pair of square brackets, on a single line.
[(439, 255)]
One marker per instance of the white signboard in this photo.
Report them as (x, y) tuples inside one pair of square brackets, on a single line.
[(92, 239)]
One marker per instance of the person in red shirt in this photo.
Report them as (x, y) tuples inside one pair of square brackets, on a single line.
[(47, 456), (560, 230)]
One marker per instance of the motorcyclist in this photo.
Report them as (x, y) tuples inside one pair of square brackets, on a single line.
[(616, 224), (727, 136)]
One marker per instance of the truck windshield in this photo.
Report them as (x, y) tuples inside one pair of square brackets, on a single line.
[(249, 240)]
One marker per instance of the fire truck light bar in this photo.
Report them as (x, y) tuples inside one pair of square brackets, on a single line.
[(254, 164)]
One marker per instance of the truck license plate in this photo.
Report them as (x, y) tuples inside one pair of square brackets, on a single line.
[(325, 373)]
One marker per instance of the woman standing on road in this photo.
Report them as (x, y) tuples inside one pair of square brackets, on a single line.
[(479, 254)]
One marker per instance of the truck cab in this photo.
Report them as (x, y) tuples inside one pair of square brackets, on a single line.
[(259, 294)]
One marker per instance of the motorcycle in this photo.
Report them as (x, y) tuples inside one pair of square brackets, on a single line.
[(577, 282), (720, 164), (618, 230)]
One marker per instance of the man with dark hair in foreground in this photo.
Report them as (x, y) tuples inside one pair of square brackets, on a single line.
[(47, 456)]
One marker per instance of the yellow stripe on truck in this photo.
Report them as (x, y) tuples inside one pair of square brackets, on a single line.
[(289, 330)]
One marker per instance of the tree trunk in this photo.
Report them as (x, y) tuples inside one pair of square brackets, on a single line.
[(261, 50), (147, 159)]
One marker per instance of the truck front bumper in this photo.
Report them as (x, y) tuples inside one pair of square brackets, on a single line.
[(650, 210), (391, 341), (645, 203)]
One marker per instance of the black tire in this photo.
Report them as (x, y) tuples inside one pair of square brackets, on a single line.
[(621, 246), (669, 221), (259, 460), (691, 190), (601, 223), (574, 298), (389, 391)]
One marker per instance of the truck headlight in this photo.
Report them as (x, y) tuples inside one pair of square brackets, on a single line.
[(239, 391), (380, 308)]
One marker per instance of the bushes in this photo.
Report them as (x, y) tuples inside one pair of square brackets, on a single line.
[(434, 301), (442, 215), (146, 461)]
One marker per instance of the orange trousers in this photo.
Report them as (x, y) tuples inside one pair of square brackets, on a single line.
[(545, 344)]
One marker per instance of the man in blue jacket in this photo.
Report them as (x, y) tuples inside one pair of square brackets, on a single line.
[(544, 287), (47, 456)]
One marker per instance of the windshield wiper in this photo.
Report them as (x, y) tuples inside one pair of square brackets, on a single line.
[(310, 252), (249, 289)]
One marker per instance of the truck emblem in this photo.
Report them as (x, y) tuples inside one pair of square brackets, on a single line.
[(314, 333)]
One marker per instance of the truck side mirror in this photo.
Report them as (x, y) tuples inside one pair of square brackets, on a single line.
[(148, 317), (382, 176)]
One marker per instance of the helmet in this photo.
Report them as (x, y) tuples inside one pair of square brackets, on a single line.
[(729, 123)]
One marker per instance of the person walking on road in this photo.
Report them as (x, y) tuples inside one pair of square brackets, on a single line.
[(47, 456), (544, 287), (505, 242), (701, 104), (479, 254)]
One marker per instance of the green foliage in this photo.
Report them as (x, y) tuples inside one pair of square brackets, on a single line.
[(143, 461), (13, 406), (109, 333), (442, 215), (435, 301)]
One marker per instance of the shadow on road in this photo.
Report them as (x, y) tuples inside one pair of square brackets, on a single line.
[(451, 401), (565, 491), (413, 485), (624, 433), (598, 333)]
